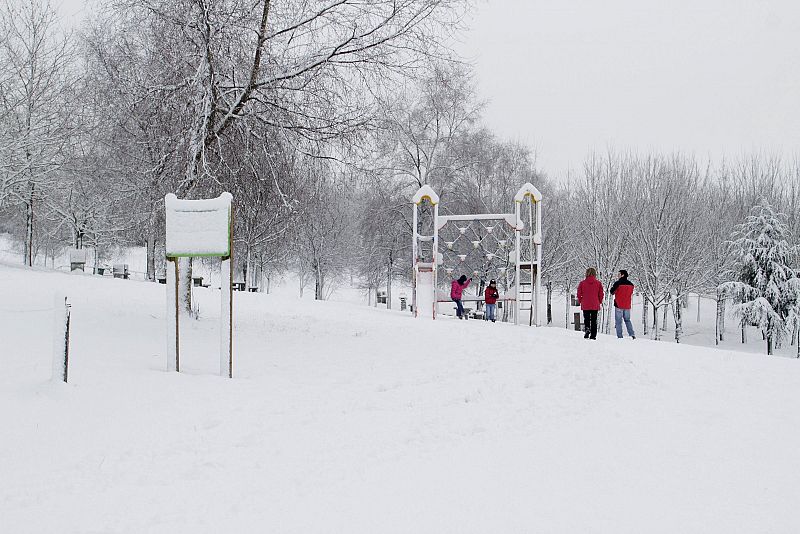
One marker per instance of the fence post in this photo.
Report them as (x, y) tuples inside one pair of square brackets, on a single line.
[(60, 338)]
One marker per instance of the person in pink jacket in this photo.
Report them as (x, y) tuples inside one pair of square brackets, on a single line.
[(457, 288), (590, 297)]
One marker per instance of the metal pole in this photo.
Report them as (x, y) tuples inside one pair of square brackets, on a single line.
[(66, 340), (61, 317)]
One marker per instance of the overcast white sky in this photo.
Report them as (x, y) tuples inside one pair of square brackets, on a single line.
[(710, 77)]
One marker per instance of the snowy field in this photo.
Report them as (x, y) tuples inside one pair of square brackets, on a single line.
[(345, 418)]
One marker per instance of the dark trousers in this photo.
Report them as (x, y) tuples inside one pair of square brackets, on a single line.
[(590, 323), (459, 307)]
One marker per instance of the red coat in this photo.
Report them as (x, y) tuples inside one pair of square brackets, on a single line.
[(491, 295), (623, 293), (590, 293), (456, 289)]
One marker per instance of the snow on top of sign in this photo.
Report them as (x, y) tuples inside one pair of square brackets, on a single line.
[(208, 204), (527, 189), (425, 192), (198, 227)]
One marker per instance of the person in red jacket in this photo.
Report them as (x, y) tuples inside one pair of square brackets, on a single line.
[(590, 297), (457, 288), (490, 296), (623, 294)]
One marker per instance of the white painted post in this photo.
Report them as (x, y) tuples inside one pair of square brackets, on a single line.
[(226, 319), (172, 311), (414, 261), (60, 338), (435, 258), (538, 248), (517, 272)]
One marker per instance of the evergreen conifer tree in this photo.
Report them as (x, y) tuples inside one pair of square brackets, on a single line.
[(766, 283)]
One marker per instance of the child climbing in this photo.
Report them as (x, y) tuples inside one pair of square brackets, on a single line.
[(490, 296), (457, 288)]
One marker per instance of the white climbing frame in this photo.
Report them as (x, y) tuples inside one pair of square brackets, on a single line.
[(200, 228), (425, 273)]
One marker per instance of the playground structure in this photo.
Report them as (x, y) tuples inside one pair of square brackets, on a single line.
[(484, 246)]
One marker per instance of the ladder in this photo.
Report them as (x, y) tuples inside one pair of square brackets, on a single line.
[(525, 288)]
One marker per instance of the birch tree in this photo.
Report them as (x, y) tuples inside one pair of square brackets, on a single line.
[(606, 212), (36, 58)]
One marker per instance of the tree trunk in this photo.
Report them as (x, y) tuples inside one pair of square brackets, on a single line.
[(678, 316), (185, 285), (744, 333), (645, 322), (769, 344), (719, 335), (151, 255), (28, 250), (698, 307), (549, 302), (666, 314), (389, 282), (567, 308), (656, 331), (319, 283), (247, 271), (655, 313)]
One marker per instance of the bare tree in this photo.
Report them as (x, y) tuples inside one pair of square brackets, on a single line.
[(36, 57)]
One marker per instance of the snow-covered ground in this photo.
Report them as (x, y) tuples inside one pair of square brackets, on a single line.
[(346, 418), (697, 330)]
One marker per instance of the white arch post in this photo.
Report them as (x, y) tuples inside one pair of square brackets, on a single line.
[(529, 255), (423, 282)]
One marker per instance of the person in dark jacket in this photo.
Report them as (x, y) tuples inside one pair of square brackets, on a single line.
[(590, 297), (623, 294), (457, 288), (490, 296)]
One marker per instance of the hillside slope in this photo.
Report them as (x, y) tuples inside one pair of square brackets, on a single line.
[(344, 418)]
